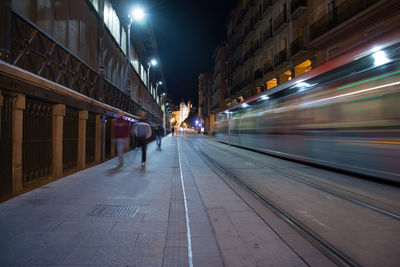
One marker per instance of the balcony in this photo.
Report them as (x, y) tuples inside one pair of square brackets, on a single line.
[(254, 20), (280, 58), (249, 53), (267, 36), (297, 46), (280, 21), (267, 4), (297, 8), (338, 16), (256, 46), (247, 81), (268, 67), (258, 74)]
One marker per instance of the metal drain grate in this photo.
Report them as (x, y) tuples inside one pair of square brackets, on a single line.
[(113, 211)]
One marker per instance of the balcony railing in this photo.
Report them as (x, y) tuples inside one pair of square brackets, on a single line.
[(248, 54), (267, 4), (246, 81), (297, 46), (338, 15), (267, 35), (256, 46), (280, 20), (268, 67), (280, 57), (38, 53), (296, 4), (258, 74)]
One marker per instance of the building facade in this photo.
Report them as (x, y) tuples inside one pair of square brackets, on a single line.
[(272, 41), (205, 89), (219, 87), (181, 114), (66, 70)]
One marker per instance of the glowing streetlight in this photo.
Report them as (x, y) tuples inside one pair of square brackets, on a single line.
[(152, 62), (137, 14)]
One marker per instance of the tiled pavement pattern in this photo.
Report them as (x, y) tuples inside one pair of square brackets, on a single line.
[(176, 245), (134, 216)]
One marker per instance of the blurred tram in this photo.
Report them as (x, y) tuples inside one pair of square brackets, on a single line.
[(343, 114)]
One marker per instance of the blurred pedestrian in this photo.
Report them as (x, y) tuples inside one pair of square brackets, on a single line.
[(159, 134), (142, 132), (121, 130), (172, 131)]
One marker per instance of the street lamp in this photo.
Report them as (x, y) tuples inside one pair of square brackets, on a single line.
[(137, 14), (152, 62)]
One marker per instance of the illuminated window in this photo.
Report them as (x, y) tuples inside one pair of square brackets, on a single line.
[(302, 68), (272, 83)]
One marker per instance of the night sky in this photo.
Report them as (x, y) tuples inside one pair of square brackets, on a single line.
[(187, 33)]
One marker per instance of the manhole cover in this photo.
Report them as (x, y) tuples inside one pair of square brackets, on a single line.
[(113, 211)]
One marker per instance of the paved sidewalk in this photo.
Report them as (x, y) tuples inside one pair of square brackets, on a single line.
[(174, 212)]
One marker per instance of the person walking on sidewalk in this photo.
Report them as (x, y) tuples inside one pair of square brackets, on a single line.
[(159, 134), (142, 132), (121, 130)]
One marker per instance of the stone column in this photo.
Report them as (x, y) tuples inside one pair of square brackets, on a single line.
[(17, 130), (112, 138), (97, 146), (57, 131), (83, 116)]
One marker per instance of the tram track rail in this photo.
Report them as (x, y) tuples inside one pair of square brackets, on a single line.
[(335, 255), (301, 178)]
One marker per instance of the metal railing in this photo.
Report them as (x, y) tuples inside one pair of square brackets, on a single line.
[(36, 52), (297, 46), (258, 74), (280, 20), (70, 139), (295, 4), (266, 4), (90, 138), (268, 67), (280, 58), (36, 141), (338, 15), (6, 144), (267, 35)]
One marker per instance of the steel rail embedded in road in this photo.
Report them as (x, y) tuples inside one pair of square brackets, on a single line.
[(327, 249), (316, 186)]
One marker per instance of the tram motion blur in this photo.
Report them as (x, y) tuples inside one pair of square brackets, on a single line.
[(343, 114)]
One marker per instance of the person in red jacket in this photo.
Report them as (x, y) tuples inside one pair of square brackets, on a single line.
[(122, 131)]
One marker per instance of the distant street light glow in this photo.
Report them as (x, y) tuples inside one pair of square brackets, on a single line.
[(137, 14), (153, 62)]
